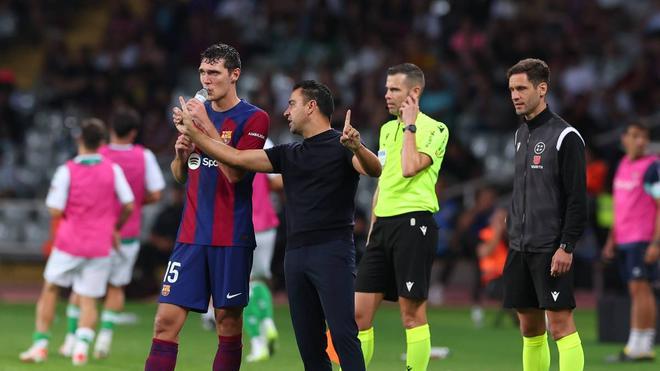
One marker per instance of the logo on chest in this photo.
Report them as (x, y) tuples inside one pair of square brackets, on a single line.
[(225, 136), (536, 160)]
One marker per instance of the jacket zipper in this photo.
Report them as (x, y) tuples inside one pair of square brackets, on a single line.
[(524, 203)]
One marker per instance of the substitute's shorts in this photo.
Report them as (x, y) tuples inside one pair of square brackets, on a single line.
[(87, 276), (630, 258), (197, 272), (397, 261), (263, 254), (528, 284), (123, 262)]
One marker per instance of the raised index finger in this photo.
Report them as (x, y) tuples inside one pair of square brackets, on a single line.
[(184, 108), (347, 121)]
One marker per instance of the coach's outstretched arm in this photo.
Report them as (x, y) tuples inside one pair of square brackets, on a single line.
[(251, 159)]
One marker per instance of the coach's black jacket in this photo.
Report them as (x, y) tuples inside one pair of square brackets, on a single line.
[(549, 203)]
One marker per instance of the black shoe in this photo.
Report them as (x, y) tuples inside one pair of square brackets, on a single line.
[(623, 357)]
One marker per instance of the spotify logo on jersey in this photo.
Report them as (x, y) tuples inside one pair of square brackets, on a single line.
[(194, 161)]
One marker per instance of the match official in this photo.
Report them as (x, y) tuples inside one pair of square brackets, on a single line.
[(547, 217), (400, 250)]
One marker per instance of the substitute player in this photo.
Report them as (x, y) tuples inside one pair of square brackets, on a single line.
[(146, 180), (84, 193), (547, 217), (213, 253), (320, 176), (397, 262), (636, 237)]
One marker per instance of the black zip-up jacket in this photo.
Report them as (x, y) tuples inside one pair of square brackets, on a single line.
[(549, 202)]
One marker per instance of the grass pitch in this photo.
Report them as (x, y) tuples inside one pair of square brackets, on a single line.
[(486, 349)]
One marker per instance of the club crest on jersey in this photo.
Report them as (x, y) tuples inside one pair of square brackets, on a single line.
[(225, 136), (166, 290)]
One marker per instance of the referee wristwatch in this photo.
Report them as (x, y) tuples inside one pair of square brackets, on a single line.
[(411, 128), (567, 247)]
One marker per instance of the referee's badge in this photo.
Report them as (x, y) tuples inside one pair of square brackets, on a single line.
[(381, 157)]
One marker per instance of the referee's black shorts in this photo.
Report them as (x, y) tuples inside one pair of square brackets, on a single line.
[(528, 283), (398, 258)]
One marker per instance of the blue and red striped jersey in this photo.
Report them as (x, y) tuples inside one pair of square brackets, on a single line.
[(217, 212)]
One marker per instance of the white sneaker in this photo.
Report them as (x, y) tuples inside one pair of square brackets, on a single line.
[(36, 354), (258, 350), (80, 353), (269, 331), (79, 359), (103, 343), (67, 347)]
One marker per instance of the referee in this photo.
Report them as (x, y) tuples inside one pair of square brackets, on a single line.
[(320, 176), (546, 219), (397, 262)]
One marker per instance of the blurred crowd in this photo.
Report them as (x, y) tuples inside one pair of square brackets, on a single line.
[(604, 57)]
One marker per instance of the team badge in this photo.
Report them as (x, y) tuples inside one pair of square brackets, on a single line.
[(539, 148), (537, 160), (166, 290), (225, 136)]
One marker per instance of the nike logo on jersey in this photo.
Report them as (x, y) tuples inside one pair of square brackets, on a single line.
[(409, 285), (555, 295), (517, 146), (229, 296), (423, 229)]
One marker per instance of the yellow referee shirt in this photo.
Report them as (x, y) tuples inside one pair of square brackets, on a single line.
[(398, 195)]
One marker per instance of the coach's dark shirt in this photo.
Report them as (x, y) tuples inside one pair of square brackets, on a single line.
[(320, 184)]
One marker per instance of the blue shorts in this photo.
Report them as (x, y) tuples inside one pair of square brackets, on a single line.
[(196, 272), (631, 262)]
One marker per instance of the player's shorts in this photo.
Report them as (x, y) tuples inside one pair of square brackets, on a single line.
[(123, 262), (528, 284), (197, 272), (263, 254), (630, 259), (397, 261), (87, 276)]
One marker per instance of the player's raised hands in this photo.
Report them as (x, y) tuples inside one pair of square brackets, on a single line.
[(183, 147), (201, 118), (186, 126), (350, 137), (176, 115), (409, 110)]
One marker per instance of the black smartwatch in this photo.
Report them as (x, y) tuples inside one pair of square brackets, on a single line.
[(411, 128), (567, 247)]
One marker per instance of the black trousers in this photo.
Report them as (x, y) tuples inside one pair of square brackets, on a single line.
[(320, 282)]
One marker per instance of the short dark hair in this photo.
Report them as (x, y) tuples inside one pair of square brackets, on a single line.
[(227, 53), (413, 73), (641, 125), (92, 133), (314, 90), (537, 71), (124, 121)]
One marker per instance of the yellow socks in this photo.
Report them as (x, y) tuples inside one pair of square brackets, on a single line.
[(367, 340), (418, 340), (571, 355), (536, 353)]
